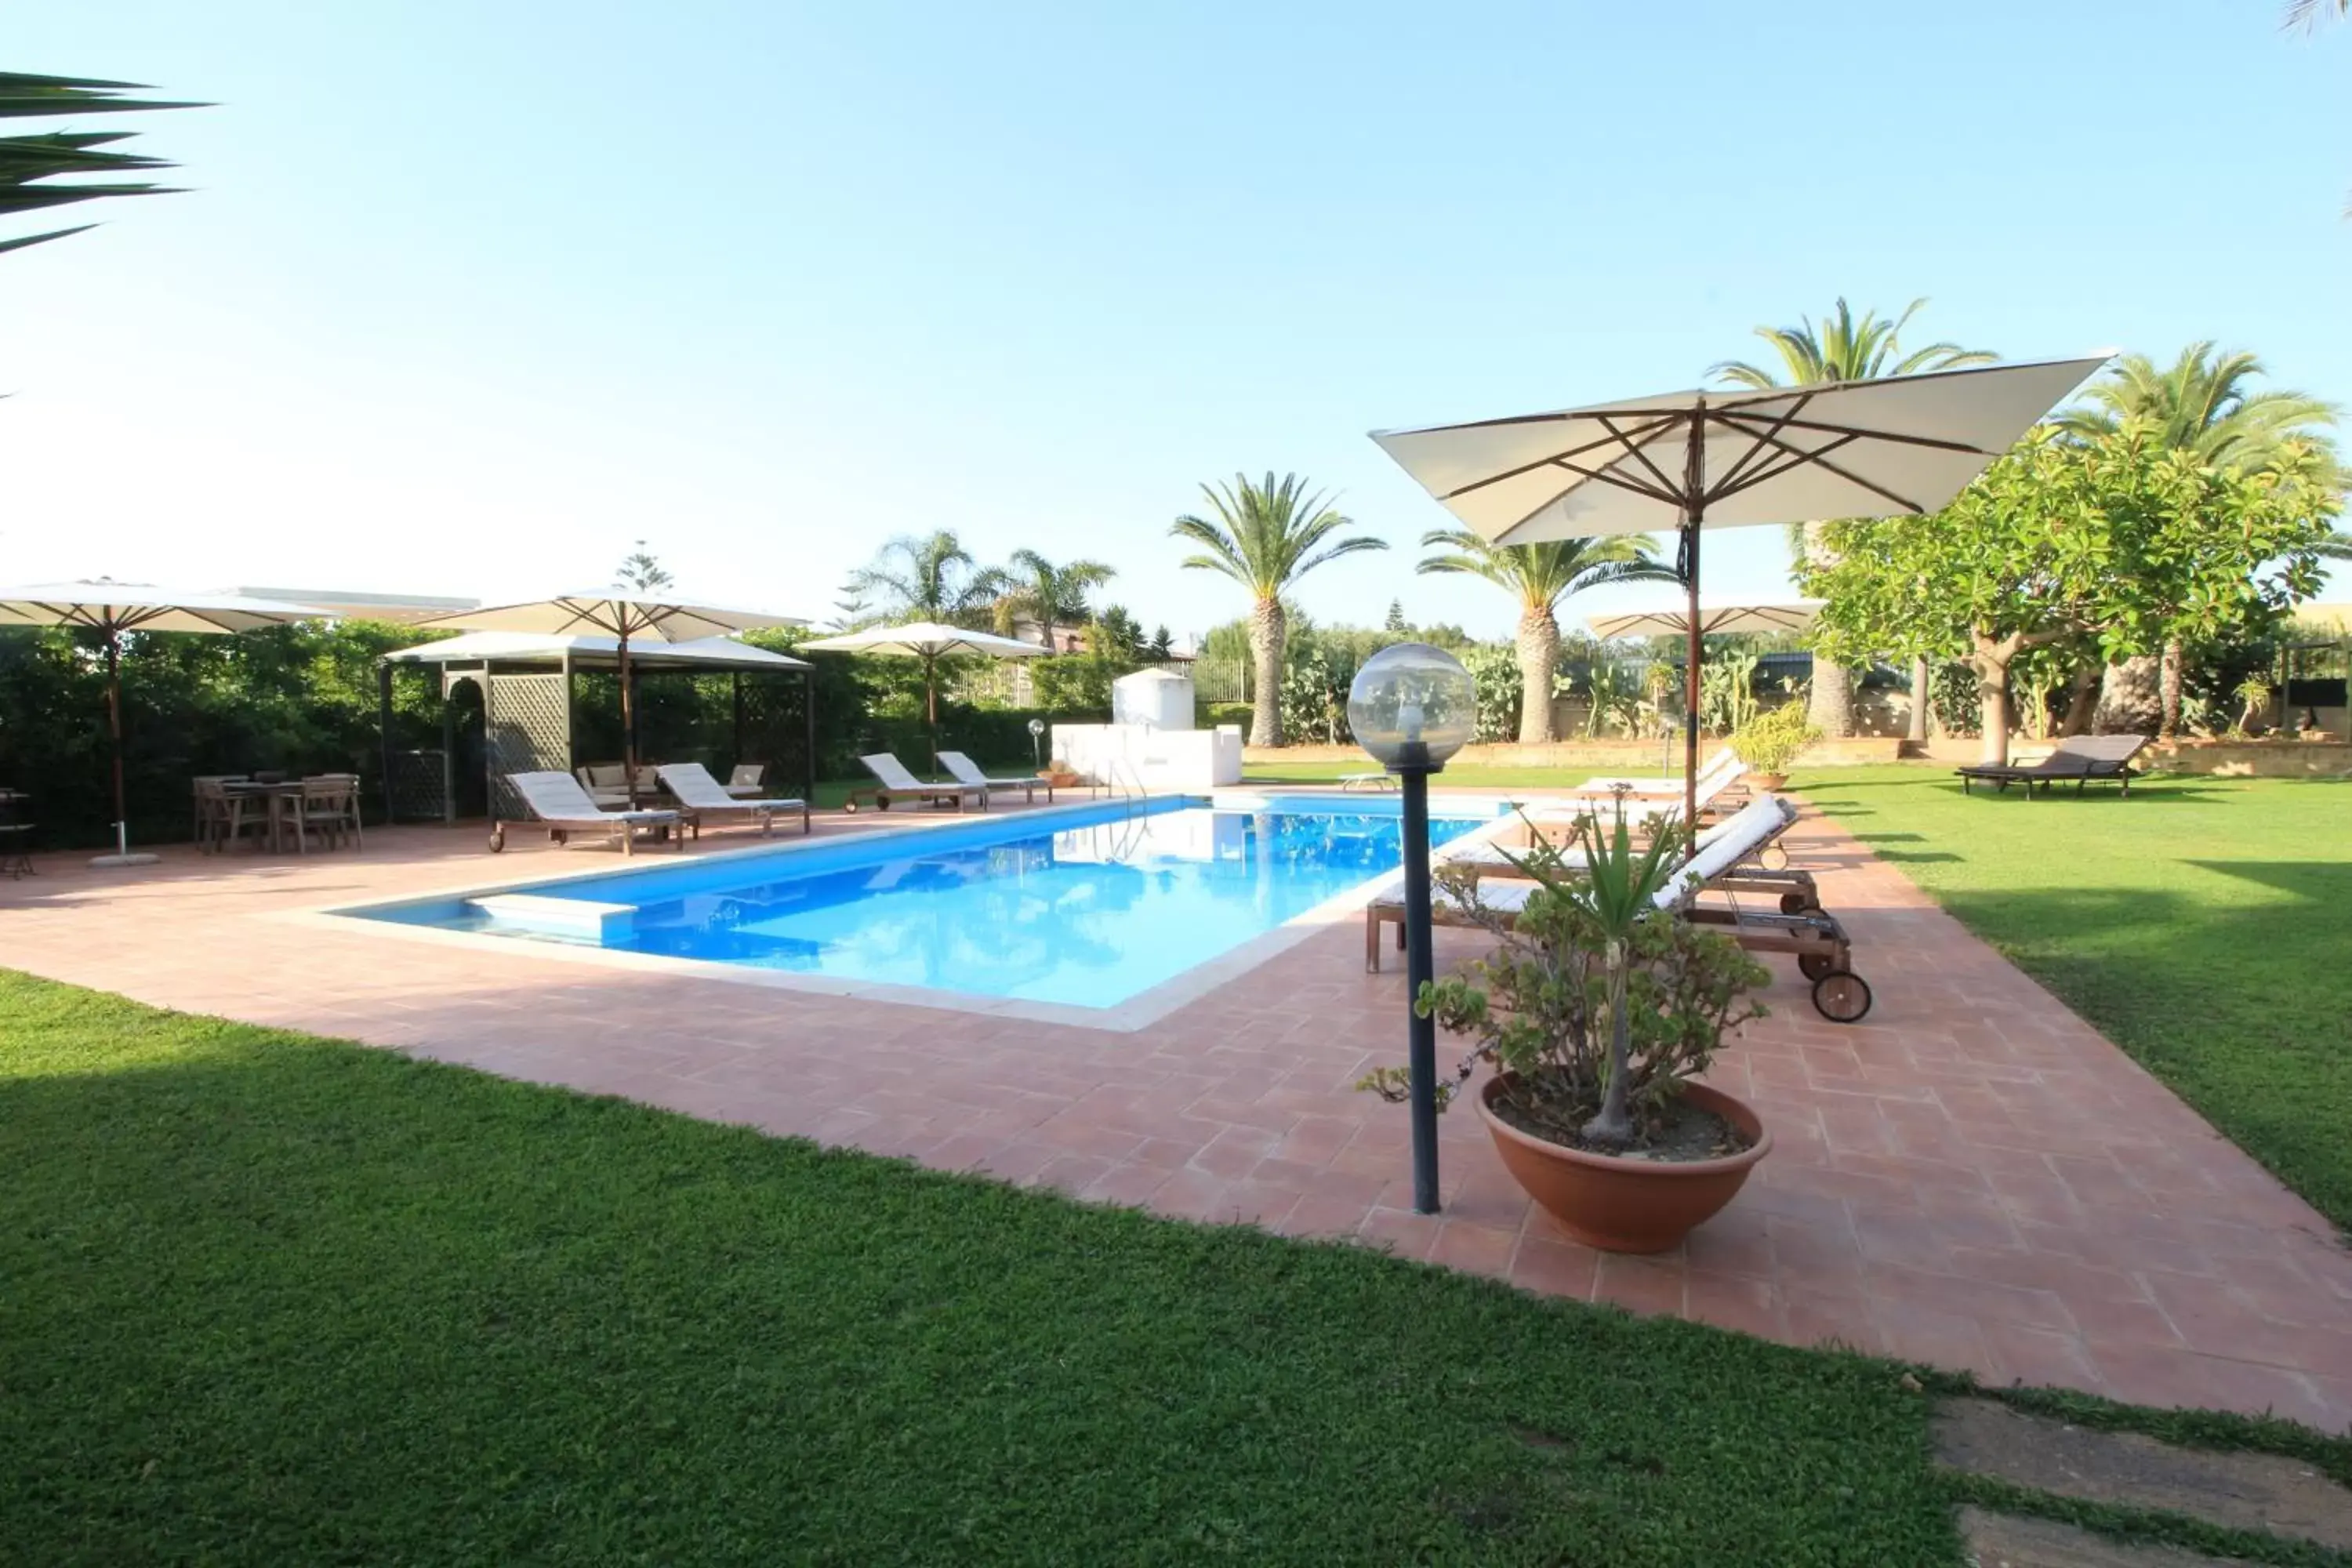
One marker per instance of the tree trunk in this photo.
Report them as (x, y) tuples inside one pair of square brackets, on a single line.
[(1991, 661), (1539, 655), (2169, 689), (1921, 700), (2083, 700), (1266, 628), (2129, 698), (1829, 705)]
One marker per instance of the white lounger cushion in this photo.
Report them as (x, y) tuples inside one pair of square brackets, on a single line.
[(692, 783), (558, 797), (967, 772)]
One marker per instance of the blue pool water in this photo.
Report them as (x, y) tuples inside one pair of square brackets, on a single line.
[(1090, 911)]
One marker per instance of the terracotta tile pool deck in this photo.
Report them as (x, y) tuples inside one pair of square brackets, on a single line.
[(1973, 1177)]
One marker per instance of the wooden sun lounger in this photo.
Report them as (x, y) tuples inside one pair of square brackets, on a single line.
[(1724, 865), (704, 799), (897, 783), (2083, 759), (561, 807), (973, 776)]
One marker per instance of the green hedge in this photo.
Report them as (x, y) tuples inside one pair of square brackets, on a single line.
[(1209, 715), (303, 698)]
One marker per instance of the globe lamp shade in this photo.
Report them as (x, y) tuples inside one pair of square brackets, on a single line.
[(1412, 707)]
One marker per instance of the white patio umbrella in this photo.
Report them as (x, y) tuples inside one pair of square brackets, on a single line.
[(1695, 461), (110, 608), (928, 641), (626, 617), (1714, 615)]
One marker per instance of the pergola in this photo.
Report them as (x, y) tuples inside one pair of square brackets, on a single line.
[(533, 708)]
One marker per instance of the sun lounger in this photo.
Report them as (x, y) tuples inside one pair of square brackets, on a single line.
[(563, 807), (748, 780), (705, 799), (967, 772), (1718, 770), (2081, 758), (897, 783), (1724, 864)]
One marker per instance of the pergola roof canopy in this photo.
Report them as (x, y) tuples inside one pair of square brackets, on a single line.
[(712, 653)]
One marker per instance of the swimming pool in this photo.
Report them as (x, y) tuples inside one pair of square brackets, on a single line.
[(1087, 908)]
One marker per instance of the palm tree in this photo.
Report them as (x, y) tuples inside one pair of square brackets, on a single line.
[(1542, 576), (1265, 537), (2201, 403), (931, 578), (1840, 347), (30, 161), (2309, 13), (1049, 594)]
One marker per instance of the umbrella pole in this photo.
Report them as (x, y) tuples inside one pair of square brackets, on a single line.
[(931, 706), (114, 728), (1693, 514), (628, 726)]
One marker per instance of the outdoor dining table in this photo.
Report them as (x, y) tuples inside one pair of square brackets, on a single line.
[(276, 795)]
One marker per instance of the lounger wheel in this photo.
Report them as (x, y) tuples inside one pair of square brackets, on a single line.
[(1842, 996), (498, 838), (1816, 966), (1773, 857), (1799, 903)]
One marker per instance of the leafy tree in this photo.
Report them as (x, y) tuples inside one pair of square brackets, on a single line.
[(1396, 621), (1162, 647), (2122, 543), (1840, 347), (929, 578), (2202, 403), (1266, 536), (1116, 632), (30, 164), (1541, 575), (1037, 590), (640, 573)]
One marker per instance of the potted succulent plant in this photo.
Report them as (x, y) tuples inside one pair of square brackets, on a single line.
[(1598, 1011), (1768, 743)]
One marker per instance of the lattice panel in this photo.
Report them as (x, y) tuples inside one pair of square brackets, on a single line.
[(420, 787), (775, 729), (529, 731)]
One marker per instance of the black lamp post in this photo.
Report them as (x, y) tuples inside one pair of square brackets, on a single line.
[(1412, 706)]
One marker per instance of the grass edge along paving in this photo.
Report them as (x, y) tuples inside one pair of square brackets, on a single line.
[(272, 1297), (2201, 923)]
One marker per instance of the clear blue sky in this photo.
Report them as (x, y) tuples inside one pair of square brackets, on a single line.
[(466, 297)]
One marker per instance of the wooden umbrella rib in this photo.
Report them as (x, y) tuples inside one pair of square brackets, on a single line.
[(1786, 459), (1637, 450), (1747, 421), (1556, 457), (1819, 461), (1731, 483)]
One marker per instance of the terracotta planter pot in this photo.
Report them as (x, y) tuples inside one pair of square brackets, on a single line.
[(1628, 1205), (1771, 781)]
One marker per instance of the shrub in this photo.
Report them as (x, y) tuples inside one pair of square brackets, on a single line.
[(1768, 743)]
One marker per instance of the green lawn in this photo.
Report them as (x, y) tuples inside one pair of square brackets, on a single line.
[(2204, 926), (275, 1299), (266, 1298)]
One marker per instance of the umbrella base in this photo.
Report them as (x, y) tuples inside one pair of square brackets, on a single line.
[(108, 862)]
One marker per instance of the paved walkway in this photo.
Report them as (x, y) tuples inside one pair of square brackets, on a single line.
[(1972, 1178)]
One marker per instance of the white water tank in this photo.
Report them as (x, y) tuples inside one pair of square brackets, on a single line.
[(1161, 699)]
